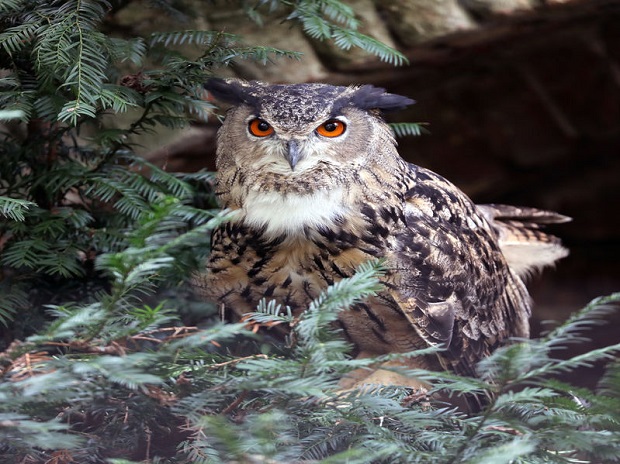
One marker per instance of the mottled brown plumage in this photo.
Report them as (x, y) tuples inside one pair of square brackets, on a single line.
[(313, 206)]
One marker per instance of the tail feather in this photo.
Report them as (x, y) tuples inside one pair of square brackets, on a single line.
[(524, 243)]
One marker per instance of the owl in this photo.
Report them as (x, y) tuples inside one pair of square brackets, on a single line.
[(319, 187)]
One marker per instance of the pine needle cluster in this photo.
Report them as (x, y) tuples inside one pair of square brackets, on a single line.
[(108, 358)]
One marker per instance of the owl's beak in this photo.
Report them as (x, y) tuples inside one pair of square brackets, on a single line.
[(292, 154)]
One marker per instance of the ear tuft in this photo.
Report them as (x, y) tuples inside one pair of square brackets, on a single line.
[(368, 97), (231, 91)]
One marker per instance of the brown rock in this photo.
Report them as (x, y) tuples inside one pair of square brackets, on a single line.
[(486, 8), (415, 21)]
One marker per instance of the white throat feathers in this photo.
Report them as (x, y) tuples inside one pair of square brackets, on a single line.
[(291, 213)]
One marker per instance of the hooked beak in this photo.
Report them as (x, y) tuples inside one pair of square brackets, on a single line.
[(292, 154)]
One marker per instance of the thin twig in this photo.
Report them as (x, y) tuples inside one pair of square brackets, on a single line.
[(232, 406), (235, 361)]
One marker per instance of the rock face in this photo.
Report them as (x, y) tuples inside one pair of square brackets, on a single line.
[(416, 21), (522, 98), (488, 8)]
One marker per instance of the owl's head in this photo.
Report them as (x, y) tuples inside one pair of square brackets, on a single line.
[(290, 129)]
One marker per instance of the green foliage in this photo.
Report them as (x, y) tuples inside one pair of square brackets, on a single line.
[(323, 20), (403, 129), (334, 20), (194, 398), (70, 189), (14, 208)]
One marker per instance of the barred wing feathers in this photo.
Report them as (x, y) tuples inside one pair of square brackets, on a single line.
[(452, 280)]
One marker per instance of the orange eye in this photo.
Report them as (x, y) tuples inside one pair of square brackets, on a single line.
[(260, 128), (331, 128)]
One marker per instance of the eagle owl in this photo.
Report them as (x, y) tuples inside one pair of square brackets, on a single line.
[(319, 187)]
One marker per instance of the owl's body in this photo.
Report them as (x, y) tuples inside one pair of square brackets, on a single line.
[(319, 187)]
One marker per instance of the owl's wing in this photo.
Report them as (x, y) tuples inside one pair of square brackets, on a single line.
[(450, 277)]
